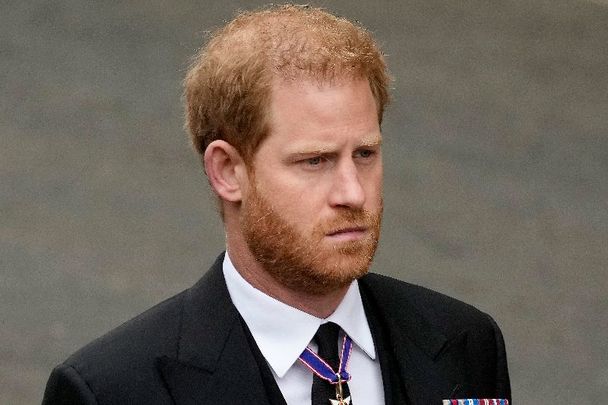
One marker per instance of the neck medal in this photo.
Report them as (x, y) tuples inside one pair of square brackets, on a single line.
[(324, 371), (340, 400)]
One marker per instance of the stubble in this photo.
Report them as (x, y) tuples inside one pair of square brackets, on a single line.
[(309, 263)]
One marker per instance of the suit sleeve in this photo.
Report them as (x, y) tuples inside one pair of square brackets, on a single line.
[(503, 385), (66, 386)]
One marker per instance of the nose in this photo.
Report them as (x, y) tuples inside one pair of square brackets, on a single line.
[(347, 190)]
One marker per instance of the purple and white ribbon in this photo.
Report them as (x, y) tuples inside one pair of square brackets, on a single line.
[(323, 370)]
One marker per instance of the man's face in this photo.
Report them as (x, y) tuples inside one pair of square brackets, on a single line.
[(311, 215)]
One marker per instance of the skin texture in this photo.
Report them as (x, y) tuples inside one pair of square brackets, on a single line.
[(303, 221)]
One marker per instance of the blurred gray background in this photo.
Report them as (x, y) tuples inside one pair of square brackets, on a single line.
[(496, 152)]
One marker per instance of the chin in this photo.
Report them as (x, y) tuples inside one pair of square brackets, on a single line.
[(337, 272)]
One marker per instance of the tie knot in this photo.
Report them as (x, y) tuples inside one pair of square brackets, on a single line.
[(327, 340)]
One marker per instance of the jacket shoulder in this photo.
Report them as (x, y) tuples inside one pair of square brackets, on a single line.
[(148, 333), (446, 330), (121, 365), (446, 314)]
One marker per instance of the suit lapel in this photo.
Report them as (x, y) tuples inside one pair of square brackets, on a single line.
[(428, 361), (427, 379), (214, 363)]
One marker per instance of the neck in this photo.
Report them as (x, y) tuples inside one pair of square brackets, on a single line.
[(253, 272)]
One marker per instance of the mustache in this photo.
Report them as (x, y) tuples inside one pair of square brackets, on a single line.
[(351, 219)]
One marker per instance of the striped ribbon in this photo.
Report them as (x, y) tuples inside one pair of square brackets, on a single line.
[(472, 401), (323, 370)]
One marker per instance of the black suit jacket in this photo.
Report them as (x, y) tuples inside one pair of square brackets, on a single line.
[(193, 349)]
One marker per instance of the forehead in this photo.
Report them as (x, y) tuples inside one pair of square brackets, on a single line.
[(308, 110)]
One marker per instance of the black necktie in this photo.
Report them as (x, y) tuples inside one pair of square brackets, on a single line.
[(327, 340)]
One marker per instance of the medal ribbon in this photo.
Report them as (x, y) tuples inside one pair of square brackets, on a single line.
[(323, 370), (473, 401)]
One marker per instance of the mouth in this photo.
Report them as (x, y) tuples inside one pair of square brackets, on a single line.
[(348, 233)]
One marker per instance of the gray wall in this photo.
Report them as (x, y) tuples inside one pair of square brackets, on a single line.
[(496, 160)]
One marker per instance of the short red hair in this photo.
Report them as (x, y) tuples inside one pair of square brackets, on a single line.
[(228, 87)]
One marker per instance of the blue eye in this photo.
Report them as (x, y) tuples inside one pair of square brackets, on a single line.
[(314, 161), (365, 153)]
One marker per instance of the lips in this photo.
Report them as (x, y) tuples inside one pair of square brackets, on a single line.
[(350, 230)]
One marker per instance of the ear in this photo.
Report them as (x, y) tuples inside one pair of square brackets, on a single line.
[(226, 170)]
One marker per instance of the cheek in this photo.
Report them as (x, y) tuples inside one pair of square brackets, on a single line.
[(374, 184), (305, 194), (303, 213)]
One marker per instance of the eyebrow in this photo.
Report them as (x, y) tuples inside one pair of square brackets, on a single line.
[(374, 140), (370, 142)]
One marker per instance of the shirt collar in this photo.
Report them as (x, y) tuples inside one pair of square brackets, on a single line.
[(283, 332)]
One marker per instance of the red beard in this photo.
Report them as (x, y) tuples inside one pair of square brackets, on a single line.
[(309, 263)]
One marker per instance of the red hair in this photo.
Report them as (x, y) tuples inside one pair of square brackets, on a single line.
[(228, 87)]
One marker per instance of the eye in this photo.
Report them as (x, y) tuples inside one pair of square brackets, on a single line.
[(365, 153), (313, 161)]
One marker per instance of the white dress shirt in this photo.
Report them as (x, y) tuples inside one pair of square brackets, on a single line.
[(283, 332)]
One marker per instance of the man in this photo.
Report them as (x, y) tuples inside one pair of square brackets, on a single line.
[(285, 105)]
